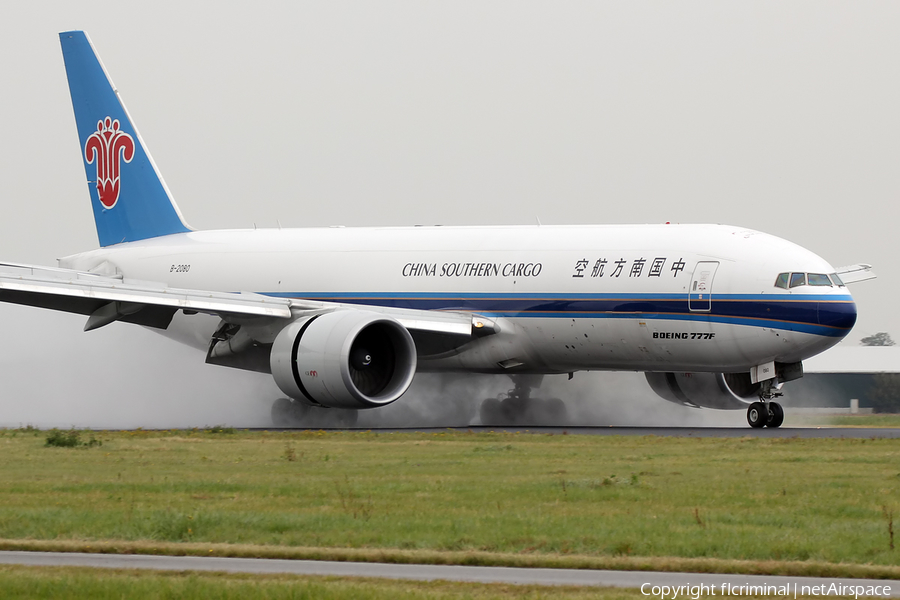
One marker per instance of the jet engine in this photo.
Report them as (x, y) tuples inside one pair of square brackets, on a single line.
[(344, 359), (707, 390)]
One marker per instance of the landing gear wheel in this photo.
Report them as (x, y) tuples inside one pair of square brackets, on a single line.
[(517, 408), (556, 411), (490, 412), (513, 411), (757, 415), (776, 415), (539, 411)]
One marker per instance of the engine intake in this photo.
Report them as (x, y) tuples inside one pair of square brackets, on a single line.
[(707, 390), (344, 359)]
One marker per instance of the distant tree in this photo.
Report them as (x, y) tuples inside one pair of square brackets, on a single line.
[(885, 396), (882, 338)]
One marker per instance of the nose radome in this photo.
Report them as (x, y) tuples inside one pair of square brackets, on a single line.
[(838, 314)]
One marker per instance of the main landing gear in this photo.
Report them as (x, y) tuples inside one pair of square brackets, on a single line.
[(765, 412), (292, 414), (519, 408)]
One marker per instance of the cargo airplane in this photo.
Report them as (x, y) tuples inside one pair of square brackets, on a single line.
[(343, 318)]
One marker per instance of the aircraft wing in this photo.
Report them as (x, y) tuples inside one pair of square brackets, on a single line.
[(105, 299)]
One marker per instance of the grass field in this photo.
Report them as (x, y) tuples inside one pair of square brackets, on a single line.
[(865, 420), (737, 505), (91, 584), (879, 420)]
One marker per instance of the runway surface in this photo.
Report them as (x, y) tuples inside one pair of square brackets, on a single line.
[(721, 432), (519, 576)]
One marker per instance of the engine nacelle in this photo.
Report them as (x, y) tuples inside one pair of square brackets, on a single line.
[(709, 390), (344, 359)]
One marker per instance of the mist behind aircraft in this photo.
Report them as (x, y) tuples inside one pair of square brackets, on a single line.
[(139, 379)]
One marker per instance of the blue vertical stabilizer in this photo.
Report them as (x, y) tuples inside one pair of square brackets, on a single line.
[(129, 197)]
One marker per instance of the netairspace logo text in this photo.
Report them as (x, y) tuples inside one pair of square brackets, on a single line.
[(695, 592)]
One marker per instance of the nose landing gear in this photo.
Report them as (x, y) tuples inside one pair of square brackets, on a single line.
[(766, 413)]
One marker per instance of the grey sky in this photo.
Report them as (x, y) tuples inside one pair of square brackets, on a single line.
[(779, 116)]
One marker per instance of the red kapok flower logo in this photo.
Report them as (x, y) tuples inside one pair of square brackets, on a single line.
[(107, 145)]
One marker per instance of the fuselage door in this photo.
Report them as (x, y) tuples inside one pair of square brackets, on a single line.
[(700, 295)]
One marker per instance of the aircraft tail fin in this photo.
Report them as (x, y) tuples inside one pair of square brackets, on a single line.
[(128, 195)]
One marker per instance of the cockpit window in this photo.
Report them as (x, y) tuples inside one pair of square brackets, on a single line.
[(792, 280), (798, 279)]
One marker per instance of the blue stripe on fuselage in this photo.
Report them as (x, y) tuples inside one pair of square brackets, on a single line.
[(820, 314)]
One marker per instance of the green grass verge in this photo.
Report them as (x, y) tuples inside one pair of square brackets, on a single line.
[(72, 583), (99, 584), (865, 420), (825, 420), (469, 558), (748, 505)]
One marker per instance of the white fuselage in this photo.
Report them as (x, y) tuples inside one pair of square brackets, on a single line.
[(565, 298)]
